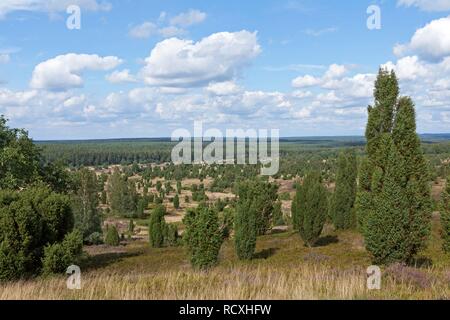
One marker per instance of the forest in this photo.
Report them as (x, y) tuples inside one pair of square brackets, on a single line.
[(141, 227)]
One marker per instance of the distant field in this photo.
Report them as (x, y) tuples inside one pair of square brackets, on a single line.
[(158, 150)]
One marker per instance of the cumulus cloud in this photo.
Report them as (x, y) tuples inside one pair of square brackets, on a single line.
[(50, 6), (188, 18), (176, 26), (426, 5), (121, 77), (217, 58), (432, 42), (334, 71), (64, 71), (144, 30), (223, 88)]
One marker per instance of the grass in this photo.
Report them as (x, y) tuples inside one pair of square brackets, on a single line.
[(283, 268)]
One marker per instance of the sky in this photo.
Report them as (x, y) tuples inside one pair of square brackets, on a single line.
[(140, 68)]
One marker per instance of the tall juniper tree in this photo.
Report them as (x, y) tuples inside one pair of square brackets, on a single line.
[(343, 200), (394, 197), (445, 216), (310, 211)]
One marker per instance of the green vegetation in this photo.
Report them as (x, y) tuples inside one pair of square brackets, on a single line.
[(157, 226), (396, 207), (343, 199), (445, 216), (202, 236), (112, 237), (85, 204), (310, 211), (122, 195)]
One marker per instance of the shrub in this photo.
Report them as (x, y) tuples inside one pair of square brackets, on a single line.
[(95, 238), (311, 209), (445, 217), (112, 236), (203, 236), (59, 256), (171, 235), (157, 227), (245, 229), (29, 221)]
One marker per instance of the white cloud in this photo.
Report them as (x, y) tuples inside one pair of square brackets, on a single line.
[(408, 68), (121, 76), (144, 30), (50, 6), (223, 88), (184, 63), (306, 81), (431, 42), (320, 32), (174, 29), (171, 31), (336, 71), (189, 18), (64, 72), (426, 5), (4, 58)]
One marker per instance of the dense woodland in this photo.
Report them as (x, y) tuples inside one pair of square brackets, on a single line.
[(56, 197)]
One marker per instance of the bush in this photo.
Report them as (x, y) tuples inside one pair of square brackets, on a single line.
[(112, 236), (445, 217), (59, 256), (203, 236), (311, 207), (29, 221), (171, 235), (245, 229), (95, 238), (157, 227)]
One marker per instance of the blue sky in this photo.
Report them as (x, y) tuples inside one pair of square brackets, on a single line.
[(140, 68)]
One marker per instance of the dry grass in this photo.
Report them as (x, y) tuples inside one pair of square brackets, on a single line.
[(282, 269), (243, 283)]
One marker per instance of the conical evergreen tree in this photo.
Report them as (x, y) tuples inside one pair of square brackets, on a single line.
[(343, 200), (245, 228), (394, 197), (445, 217), (157, 226), (203, 236), (311, 209)]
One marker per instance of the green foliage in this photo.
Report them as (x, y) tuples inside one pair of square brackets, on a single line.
[(122, 195), (202, 236), (112, 237), (278, 219), (157, 226), (85, 204), (171, 237), (59, 256), (445, 216), (176, 202), (245, 232), (19, 158), (310, 210), (394, 207), (262, 197), (343, 199), (30, 220)]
